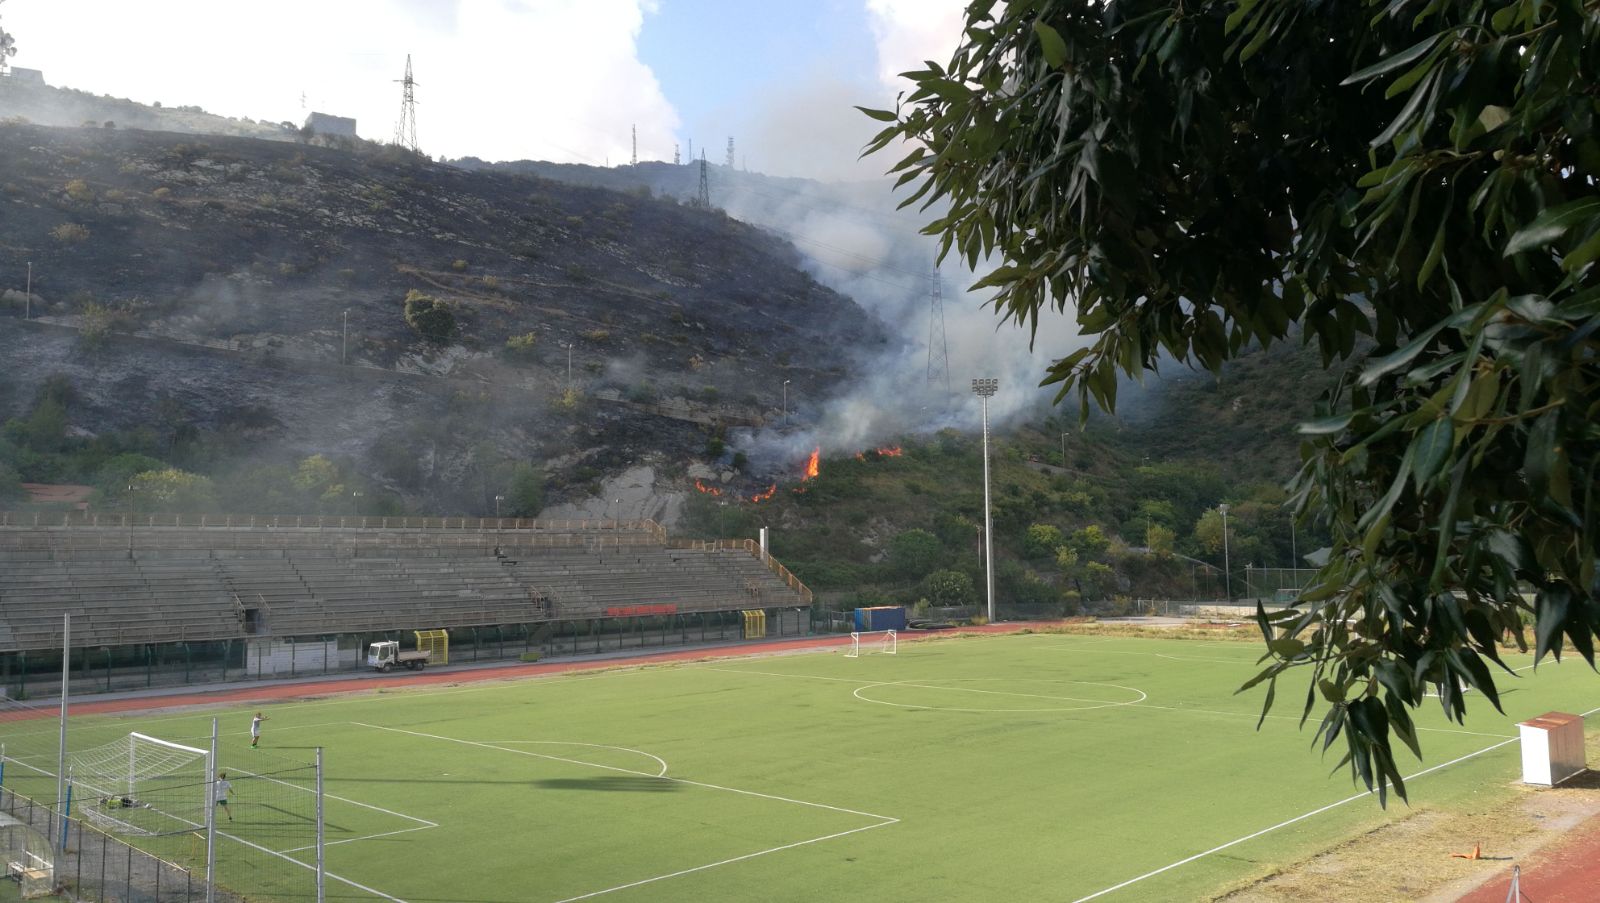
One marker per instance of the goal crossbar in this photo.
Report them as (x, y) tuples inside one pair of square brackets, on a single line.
[(168, 744)]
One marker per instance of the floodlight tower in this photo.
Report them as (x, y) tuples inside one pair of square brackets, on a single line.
[(405, 131), (938, 347), (1227, 568), (985, 389)]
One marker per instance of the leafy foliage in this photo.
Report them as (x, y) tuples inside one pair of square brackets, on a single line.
[(914, 553), (428, 317), (1414, 181)]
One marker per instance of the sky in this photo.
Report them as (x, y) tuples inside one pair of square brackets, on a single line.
[(561, 80)]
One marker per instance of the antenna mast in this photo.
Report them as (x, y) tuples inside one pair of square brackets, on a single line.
[(730, 151), (938, 347), (405, 131), (704, 198), (635, 145), (676, 159)]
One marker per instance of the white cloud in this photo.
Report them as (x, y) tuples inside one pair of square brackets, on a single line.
[(499, 79), (908, 32)]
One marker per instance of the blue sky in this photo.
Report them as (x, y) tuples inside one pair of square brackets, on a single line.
[(716, 58)]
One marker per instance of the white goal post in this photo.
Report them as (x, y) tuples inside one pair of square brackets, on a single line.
[(888, 644), (141, 784)]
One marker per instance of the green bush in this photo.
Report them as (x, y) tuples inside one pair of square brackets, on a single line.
[(529, 657), (428, 317)]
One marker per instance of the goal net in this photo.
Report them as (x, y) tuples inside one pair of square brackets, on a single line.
[(887, 643), (141, 784)]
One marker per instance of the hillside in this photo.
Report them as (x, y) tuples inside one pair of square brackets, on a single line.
[(198, 289)]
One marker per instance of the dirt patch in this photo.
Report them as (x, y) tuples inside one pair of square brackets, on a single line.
[(1410, 858)]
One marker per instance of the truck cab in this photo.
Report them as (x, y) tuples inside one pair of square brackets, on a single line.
[(386, 654)]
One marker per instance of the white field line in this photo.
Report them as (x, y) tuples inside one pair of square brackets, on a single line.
[(639, 752), (331, 843), (712, 865), (326, 795), (255, 846), (881, 820), (1297, 818), (1256, 715)]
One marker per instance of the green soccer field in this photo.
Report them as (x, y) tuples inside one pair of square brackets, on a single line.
[(1038, 767)]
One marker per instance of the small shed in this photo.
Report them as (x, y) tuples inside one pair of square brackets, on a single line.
[(28, 76), (1552, 748), (27, 857), (327, 124)]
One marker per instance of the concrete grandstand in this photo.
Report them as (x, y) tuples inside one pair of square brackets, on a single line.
[(168, 599)]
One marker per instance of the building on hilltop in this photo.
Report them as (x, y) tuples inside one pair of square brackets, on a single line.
[(325, 124), (30, 76)]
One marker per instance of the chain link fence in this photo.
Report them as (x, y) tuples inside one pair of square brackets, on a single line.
[(95, 867)]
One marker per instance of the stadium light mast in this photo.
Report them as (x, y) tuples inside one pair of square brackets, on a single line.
[(1227, 571), (985, 389)]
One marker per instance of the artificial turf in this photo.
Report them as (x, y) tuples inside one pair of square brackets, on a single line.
[(1036, 767)]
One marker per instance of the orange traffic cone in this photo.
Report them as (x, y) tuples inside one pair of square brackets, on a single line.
[(1477, 853)]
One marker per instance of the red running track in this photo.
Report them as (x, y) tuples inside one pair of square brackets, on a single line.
[(1567, 871), (268, 692)]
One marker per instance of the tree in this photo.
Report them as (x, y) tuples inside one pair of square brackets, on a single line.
[(1160, 540), (171, 490), (8, 46), (1042, 541), (525, 497), (428, 317), (1208, 531), (913, 553), (1409, 187), (949, 589)]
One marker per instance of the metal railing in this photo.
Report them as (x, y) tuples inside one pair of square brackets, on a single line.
[(124, 521)]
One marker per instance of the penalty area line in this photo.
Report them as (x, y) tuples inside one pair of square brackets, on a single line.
[(712, 865), (1298, 818)]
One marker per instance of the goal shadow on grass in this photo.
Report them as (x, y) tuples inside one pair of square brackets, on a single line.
[(614, 783)]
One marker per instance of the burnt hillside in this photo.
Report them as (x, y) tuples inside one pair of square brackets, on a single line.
[(207, 280)]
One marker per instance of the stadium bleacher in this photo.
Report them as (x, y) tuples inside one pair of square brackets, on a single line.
[(167, 581)]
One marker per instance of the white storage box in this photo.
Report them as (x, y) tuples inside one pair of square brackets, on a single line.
[(1552, 748)]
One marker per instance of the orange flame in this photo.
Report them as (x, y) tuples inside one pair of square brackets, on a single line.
[(708, 490), (893, 451), (813, 464), (763, 496)]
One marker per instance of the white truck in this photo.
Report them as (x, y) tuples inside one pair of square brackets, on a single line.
[(387, 654)]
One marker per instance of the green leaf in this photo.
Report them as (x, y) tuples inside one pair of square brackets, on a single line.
[(1050, 44), (880, 115), (1433, 447), (1551, 224), (1238, 15), (1377, 369), (1391, 63), (1326, 426), (1551, 607)]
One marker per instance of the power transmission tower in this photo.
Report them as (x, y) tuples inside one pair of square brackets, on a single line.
[(938, 348), (635, 145), (405, 131), (704, 198), (730, 151)]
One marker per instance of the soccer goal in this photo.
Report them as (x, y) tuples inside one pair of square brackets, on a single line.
[(888, 644), (141, 784)]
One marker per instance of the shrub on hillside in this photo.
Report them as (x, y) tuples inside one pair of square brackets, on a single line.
[(70, 233), (428, 317)]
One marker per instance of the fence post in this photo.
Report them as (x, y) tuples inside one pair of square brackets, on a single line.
[(320, 833)]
